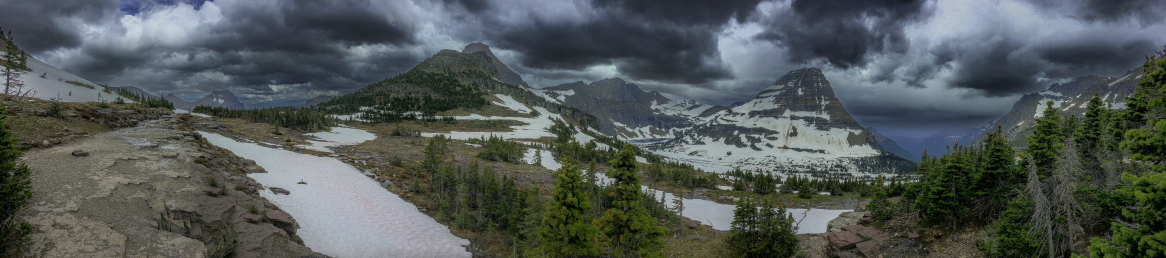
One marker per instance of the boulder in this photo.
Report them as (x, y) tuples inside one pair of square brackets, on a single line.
[(282, 220), (844, 219), (80, 153), (277, 190), (843, 240)]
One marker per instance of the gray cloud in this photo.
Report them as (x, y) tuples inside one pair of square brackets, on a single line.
[(844, 33)]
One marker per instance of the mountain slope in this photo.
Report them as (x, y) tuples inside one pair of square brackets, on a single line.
[(795, 125), (620, 108), (889, 145), (1071, 98), (318, 100), (448, 80), (61, 85)]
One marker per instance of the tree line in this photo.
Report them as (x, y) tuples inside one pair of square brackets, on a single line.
[(1097, 177)]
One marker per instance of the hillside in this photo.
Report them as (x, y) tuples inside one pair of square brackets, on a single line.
[(1071, 98), (889, 145), (621, 108)]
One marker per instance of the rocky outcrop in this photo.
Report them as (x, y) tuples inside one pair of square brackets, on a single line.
[(143, 192)]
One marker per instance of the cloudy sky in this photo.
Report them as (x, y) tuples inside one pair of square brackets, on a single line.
[(904, 67)]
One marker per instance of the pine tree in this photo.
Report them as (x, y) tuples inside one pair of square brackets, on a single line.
[(1046, 141), (880, 208), (1144, 232), (765, 231), (1011, 236), (16, 62), (15, 190), (998, 175), (564, 232), (626, 223)]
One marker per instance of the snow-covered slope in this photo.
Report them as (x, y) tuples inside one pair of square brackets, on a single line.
[(59, 84), (795, 125)]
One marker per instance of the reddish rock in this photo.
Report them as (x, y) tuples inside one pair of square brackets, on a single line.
[(863, 231), (912, 235), (868, 248), (843, 240)]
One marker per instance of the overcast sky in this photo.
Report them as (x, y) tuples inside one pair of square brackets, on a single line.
[(900, 66)]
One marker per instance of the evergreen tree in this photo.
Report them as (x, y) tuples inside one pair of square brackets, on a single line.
[(1144, 232), (1090, 141), (626, 223), (1011, 236), (564, 232), (765, 231), (1046, 141), (880, 208), (998, 175), (15, 64), (15, 190)]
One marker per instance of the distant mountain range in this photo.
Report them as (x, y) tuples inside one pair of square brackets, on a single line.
[(219, 98)]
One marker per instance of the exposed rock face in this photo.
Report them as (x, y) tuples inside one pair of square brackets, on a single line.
[(504, 73), (613, 101), (219, 98), (127, 200)]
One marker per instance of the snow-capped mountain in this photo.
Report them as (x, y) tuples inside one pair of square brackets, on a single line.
[(218, 98), (797, 124), (1071, 98)]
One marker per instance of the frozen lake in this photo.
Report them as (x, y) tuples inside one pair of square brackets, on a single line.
[(720, 216), (343, 213), (339, 136)]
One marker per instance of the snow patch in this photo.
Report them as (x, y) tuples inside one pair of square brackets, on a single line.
[(339, 136), (342, 212)]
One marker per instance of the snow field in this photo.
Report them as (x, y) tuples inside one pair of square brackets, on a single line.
[(54, 85), (343, 213), (338, 136)]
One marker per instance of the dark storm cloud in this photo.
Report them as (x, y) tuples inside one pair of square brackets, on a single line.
[(306, 44), (45, 25), (473, 6), (673, 42), (1144, 11), (844, 33)]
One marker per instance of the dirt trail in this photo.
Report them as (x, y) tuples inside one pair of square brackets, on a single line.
[(147, 191)]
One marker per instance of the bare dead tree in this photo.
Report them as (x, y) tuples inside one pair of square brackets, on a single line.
[(1056, 210)]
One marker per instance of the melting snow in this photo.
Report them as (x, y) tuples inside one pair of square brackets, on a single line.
[(510, 103), (548, 159), (339, 136), (343, 213)]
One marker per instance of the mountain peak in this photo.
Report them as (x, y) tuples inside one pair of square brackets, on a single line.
[(504, 73), (478, 47)]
